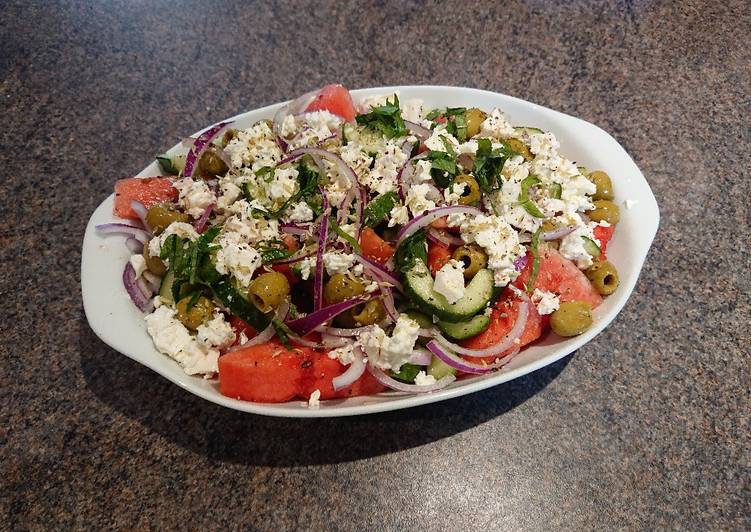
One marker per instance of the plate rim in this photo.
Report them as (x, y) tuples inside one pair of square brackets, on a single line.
[(338, 407)]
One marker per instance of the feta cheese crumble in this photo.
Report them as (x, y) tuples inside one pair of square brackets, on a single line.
[(423, 379), (390, 352), (314, 400), (546, 302), (449, 281)]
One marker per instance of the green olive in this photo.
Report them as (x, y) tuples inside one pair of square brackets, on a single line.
[(519, 147), (154, 264), (473, 257), (571, 318), (211, 164), (471, 192), (474, 118), (603, 276), (201, 311), (159, 216), (371, 313), (228, 136), (603, 184), (268, 290), (606, 211), (340, 288)]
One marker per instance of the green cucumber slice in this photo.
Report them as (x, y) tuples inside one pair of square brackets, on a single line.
[(528, 129), (591, 247), (165, 289), (419, 288), (439, 369), (465, 329)]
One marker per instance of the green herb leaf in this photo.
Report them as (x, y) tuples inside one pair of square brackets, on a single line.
[(488, 165), (165, 161), (524, 201), (238, 305), (556, 190), (386, 119), (378, 210), (532, 209), (407, 373), (443, 167), (345, 236), (411, 249), (534, 248)]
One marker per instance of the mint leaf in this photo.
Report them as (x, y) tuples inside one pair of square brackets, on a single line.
[(411, 249), (488, 165)]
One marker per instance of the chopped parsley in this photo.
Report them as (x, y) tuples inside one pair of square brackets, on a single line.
[(386, 119), (443, 167)]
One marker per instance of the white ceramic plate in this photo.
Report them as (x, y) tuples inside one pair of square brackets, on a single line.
[(119, 324)]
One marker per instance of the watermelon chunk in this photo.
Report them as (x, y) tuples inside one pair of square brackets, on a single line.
[(148, 190), (336, 100), (561, 276), (603, 234)]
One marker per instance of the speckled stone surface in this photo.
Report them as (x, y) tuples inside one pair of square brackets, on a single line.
[(645, 427)]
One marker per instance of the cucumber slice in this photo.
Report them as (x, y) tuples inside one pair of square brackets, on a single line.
[(418, 284), (439, 369), (465, 329), (529, 130), (423, 320), (591, 247), (165, 289)]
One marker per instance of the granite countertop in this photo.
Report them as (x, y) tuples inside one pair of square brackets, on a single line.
[(647, 426)]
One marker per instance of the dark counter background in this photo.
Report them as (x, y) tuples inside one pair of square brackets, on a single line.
[(646, 426)]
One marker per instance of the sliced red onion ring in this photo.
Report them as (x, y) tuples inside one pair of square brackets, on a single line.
[(560, 232), (302, 341), (330, 341), (295, 258), (200, 224), (462, 365), (312, 321), (295, 229), (145, 288), (430, 216), (409, 388), (269, 332), (343, 210), (343, 332), (447, 239), (139, 299), (417, 130), (354, 372), (322, 238), (426, 333), (199, 146), (134, 245), (379, 272), (154, 281), (341, 166), (521, 262), (291, 108), (509, 340), (142, 235), (140, 210), (421, 357), (387, 297)]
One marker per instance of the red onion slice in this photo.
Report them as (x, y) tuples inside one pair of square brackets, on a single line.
[(291, 108), (462, 365), (330, 341), (199, 146), (521, 262), (295, 229), (417, 130), (442, 237), (379, 272), (200, 224), (354, 372), (509, 340), (409, 388), (343, 332), (140, 210), (421, 357), (388, 303), (269, 332), (139, 299), (322, 238), (139, 234), (430, 216), (341, 166), (134, 245), (312, 321), (560, 232)]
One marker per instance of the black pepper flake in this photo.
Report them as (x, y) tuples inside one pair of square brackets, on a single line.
[(307, 363)]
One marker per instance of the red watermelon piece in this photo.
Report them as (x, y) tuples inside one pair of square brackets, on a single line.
[(147, 190)]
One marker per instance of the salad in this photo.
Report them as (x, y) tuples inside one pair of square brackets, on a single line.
[(343, 248)]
